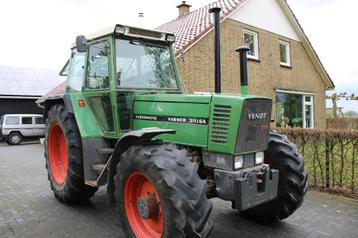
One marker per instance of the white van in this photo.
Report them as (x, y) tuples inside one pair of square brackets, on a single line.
[(13, 127)]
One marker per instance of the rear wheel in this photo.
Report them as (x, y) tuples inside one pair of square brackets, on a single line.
[(63, 154), (14, 138), (159, 194), (282, 155)]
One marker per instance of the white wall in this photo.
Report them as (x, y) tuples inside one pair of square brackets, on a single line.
[(266, 15)]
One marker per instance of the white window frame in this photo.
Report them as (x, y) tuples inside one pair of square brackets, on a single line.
[(256, 43), (304, 103), (288, 53), (304, 110)]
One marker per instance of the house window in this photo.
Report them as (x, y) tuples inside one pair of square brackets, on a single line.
[(251, 40), (285, 58), (294, 110), (308, 115)]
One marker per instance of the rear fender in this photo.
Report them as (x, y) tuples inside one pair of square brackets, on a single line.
[(127, 140), (50, 101)]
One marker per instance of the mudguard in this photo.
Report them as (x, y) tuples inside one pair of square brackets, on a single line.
[(127, 140), (48, 102)]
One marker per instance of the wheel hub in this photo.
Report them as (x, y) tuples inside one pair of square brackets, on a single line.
[(143, 207), (148, 206), (15, 139)]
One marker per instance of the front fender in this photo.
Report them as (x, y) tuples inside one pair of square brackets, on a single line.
[(127, 140)]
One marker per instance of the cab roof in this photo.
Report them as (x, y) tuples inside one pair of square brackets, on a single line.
[(128, 30)]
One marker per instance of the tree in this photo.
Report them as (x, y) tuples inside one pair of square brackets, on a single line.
[(351, 114), (335, 97)]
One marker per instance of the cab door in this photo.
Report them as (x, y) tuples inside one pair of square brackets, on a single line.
[(97, 86)]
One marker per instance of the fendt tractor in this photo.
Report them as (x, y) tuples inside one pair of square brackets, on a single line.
[(125, 121)]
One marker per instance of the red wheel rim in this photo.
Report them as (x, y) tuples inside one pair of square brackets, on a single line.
[(138, 185), (57, 154)]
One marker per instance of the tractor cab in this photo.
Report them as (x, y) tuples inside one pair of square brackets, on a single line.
[(110, 67)]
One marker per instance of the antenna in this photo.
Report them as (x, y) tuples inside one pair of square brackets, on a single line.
[(141, 16)]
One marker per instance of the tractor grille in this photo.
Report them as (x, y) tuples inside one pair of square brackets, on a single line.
[(220, 124), (254, 125), (145, 33)]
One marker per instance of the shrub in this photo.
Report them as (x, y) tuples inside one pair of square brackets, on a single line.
[(342, 123), (330, 157)]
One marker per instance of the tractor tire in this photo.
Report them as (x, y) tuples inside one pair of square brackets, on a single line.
[(282, 155), (164, 174), (14, 138), (63, 153)]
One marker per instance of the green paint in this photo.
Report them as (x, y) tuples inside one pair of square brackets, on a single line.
[(189, 98), (86, 122), (190, 134)]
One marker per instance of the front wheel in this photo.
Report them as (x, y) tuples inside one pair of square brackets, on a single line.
[(282, 155), (159, 194)]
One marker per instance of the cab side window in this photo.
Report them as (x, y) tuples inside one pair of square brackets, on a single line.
[(97, 67), (76, 71)]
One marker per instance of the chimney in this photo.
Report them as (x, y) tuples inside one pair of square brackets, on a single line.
[(183, 8)]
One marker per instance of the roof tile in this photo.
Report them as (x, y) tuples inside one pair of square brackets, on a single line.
[(190, 27)]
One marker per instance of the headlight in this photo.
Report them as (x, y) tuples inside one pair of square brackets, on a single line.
[(259, 158), (238, 162), (120, 29)]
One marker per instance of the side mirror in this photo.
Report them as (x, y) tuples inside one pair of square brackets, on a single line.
[(81, 44)]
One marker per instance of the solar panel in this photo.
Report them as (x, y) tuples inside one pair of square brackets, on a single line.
[(16, 81)]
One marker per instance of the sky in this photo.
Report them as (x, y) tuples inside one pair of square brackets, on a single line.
[(331, 27), (39, 33)]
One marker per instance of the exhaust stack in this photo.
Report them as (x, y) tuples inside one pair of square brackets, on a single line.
[(244, 87), (216, 11)]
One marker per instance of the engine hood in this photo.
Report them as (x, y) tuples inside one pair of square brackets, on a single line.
[(204, 98), (185, 98), (203, 120)]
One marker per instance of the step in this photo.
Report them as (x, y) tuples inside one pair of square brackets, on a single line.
[(91, 183), (98, 168), (106, 151)]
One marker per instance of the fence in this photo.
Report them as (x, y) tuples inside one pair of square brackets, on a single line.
[(330, 157)]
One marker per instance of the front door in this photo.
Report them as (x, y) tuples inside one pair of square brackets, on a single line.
[(97, 86)]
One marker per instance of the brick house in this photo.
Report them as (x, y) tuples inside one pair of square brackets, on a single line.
[(282, 63)]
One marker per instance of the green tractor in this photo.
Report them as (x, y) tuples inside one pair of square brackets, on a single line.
[(125, 122)]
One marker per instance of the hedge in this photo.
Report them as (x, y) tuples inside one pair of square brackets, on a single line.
[(330, 157)]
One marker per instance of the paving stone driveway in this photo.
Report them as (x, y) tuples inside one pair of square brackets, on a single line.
[(29, 209)]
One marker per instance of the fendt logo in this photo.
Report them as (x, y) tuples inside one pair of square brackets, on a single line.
[(257, 115)]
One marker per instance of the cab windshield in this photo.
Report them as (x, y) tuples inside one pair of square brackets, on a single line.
[(144, 65)]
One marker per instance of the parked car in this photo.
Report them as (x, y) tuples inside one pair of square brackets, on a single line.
[(14, 127)]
